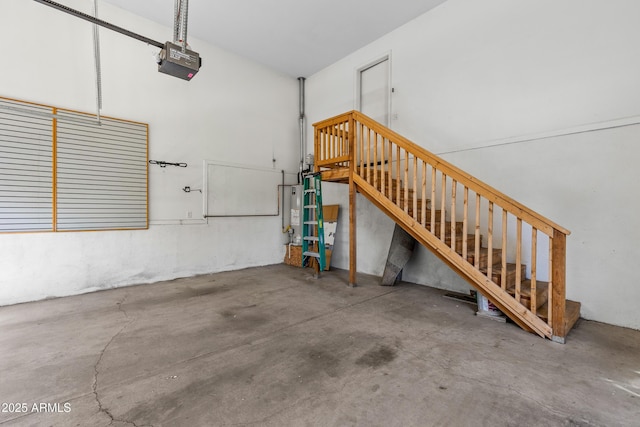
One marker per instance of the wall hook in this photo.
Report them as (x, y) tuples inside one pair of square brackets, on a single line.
[(164, 164), (188, 189)]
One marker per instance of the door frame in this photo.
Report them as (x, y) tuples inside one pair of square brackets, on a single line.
[(358, 83)]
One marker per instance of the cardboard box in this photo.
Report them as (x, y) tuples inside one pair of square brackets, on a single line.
[(293, 256)]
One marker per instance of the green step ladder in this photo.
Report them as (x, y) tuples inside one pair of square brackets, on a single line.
[(312, 222)]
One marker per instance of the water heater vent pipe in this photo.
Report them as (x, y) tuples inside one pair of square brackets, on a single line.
[(301, 121)]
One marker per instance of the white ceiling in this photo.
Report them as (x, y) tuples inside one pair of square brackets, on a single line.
[(297, 37)]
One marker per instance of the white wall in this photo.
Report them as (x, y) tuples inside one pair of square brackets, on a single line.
[(520, 94), (232, 111)]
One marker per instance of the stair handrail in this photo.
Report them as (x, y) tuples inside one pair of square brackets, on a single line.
[(536, 219), (490, 193)]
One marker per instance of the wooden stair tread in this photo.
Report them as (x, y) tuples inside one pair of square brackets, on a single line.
[(471, 242), (392, 186), (387, 182), (571, 313), (447, 227), (460, 236), (410, 204), (427, 213), (512, 269), (393, 196), (542, 292), (496, 257), (525, 288)]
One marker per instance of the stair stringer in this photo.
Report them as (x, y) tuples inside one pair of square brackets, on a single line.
[(517, 312)]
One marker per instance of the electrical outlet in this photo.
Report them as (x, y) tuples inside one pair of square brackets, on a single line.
[(189, 214)]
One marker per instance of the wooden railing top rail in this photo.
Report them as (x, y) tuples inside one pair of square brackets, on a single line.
[(340, 118), (488, 192)]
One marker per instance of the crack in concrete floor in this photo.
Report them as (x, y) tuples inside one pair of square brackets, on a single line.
[(94, 387)]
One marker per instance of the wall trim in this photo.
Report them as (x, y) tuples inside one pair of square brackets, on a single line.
[(590, 127)]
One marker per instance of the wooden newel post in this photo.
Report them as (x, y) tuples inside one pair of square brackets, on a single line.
[(316, 149), (352, 201), (558, 278)]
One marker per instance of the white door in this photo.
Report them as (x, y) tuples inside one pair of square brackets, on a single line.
[(375, 93)]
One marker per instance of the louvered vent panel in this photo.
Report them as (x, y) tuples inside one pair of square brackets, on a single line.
[(26, 167), (101, 174), (61, 170)]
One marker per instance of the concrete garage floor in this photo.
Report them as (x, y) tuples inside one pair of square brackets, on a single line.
[(272, 346)]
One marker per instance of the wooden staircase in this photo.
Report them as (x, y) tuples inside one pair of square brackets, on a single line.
[(519, 265)]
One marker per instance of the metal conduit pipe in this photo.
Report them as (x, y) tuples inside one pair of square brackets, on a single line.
[(184, 13), (96, 54), (176, 21), (180, 17), (282, 201), (301, 121)]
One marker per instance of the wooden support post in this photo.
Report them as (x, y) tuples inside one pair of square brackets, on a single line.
[(503, 278), (534, 270), (317, 149), (558, 274), (490, 242), (54, 163), (352, 210), (465, 222)]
